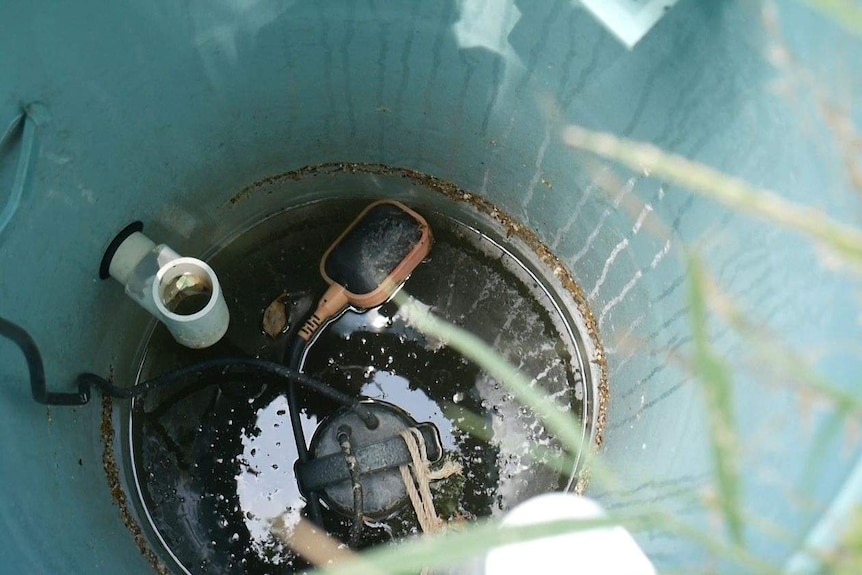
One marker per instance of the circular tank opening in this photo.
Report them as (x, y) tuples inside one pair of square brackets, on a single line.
[(211, 464)]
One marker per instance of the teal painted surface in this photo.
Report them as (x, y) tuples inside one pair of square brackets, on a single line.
[(162, 112)]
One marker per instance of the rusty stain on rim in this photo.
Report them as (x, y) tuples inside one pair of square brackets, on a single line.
[(112, 472)]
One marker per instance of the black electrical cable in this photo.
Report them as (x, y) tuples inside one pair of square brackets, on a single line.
[(38, 385), (85, 381), (294, 362), (226, 365), (343, 437)]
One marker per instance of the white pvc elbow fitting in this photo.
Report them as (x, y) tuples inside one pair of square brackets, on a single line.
[(182, 293)]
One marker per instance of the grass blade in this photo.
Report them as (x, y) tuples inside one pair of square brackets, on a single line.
[(845, 13), (844, 241), (712, 371), (564, 426)]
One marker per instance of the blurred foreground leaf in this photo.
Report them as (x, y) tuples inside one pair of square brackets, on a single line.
[(843, 241), (717, 381), (846, 13)]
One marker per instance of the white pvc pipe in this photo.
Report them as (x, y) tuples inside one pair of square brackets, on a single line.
[(199, 329), (148, 271)]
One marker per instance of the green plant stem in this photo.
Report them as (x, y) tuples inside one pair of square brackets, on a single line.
[(844, 241)]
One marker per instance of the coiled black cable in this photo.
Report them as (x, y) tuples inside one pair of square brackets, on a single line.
[(225, 366), (38, 385), (290, 374), (86, 381)]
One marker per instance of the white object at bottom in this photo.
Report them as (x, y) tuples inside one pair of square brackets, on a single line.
[(596, 551)]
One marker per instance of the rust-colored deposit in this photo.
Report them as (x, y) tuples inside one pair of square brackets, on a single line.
[(112, 472)]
